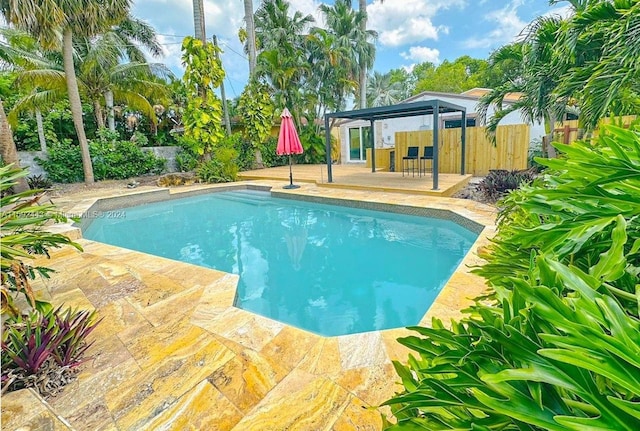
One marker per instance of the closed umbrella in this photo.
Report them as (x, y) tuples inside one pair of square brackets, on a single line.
[(288, 142)]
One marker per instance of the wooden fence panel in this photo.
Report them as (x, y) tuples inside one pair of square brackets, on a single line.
[(569, 131), (510, 151)]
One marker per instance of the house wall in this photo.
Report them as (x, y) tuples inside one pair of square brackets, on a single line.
[(385, 130)]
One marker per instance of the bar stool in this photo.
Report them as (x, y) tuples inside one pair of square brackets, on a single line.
[(422, 165), (410, 158)]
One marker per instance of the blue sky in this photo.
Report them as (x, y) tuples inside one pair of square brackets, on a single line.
[(409, 31)]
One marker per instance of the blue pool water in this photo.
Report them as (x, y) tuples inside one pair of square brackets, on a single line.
[(327, 269)]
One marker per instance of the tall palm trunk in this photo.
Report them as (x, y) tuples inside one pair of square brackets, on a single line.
[(251, 35), (362, 79), (75, 103), (40, 126), (111, 115), (551, 124), (251, 45), (97, 110), (9, 152), (198, 20), (200, 33)]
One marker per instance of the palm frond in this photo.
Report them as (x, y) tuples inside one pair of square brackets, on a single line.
[(33, 101)]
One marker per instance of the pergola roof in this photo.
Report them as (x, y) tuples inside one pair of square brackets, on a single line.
[(433, 107), (425, 107)]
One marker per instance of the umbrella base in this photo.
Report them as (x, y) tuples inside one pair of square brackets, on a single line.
[(291, 186)]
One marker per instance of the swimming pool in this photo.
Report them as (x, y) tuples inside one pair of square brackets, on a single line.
[(327, 269)]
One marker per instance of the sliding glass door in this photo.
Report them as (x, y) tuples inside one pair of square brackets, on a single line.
[(359, 141)]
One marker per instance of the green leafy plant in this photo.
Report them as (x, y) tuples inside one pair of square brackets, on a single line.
[(555, 343), (186, 161), (39, 182), (246, 152), (112, 159), (123, 159), (41, 350), (221, 168), (21, 237), (202, 116), (314, 146), (269, 156), (500, 181), (63, 163), (140, 139), (256, 109)]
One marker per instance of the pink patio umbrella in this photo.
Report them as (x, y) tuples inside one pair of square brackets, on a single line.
[(288, 142)]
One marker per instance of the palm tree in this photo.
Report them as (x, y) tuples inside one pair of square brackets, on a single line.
[(601, 42), (364, 64), (539, 75), (330, 81), (381, 91), (8, 150), (45, 20), (20, 51), (130, 34), (100, 72), (589, 59), (284, 71), (275, 29), (280, 39), (346, 25), (251, 35)]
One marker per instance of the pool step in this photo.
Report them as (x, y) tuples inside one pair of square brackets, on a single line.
[(250, 197)]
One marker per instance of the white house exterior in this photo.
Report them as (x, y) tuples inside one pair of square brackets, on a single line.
[(354, 134)]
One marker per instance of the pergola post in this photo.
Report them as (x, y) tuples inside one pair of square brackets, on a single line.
[(436, 126), (327, 140), (373, 147), (427, 107), (463, 141)]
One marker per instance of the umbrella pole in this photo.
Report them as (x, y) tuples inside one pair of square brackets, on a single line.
[(290, 186), (290, 172)]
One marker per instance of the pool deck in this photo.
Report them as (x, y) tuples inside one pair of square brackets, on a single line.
[(172, 353), (359, 177)]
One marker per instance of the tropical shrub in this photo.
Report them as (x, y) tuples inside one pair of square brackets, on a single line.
[(120, 160), (22, 237), (41, 346), (43, 350), (112, 159), (314, 146), (186, 161), (555, 343), (39, 182), (269, 157), (500, 181), (222, 167), (246, 157), (63, 163)]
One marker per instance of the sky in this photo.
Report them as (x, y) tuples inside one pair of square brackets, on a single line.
[(409, 31)]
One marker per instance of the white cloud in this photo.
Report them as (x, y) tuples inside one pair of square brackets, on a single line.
[(420, 54), (508, 26), (307, 7), (409, 21), (173, 20)]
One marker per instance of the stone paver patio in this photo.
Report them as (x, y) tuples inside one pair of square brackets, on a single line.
[(172, 352)]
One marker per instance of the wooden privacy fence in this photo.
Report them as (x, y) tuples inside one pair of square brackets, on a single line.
[(568, 131), (510, 151)]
